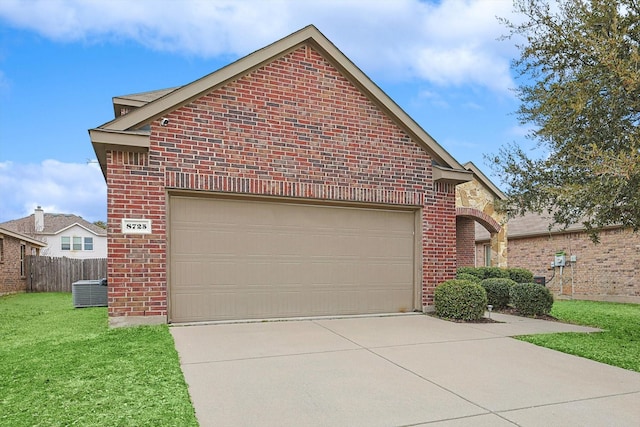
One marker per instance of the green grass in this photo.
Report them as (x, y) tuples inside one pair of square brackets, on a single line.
[(617, 345), (61, 366)]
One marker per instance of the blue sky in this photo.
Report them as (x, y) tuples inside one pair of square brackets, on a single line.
[(62, 61)]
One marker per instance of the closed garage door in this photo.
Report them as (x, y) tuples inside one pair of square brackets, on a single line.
[(238, 259)]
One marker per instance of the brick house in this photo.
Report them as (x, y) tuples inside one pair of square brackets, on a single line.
[(607, 271), (285, 184), (14, 247)]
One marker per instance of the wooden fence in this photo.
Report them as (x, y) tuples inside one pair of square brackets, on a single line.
[(53, 274)]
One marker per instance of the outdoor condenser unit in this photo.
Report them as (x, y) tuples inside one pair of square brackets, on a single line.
[(89, 293)]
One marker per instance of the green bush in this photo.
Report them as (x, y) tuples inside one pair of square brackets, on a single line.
[(474, 271), (491, 272), (531, 299), (485, 272), (460, 300), (498, 291), (520, 275), (468, 276)]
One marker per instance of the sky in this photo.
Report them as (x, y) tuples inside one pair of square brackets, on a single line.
[(62, 61)]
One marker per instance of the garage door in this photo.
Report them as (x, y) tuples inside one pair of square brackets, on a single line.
[(238, 259)]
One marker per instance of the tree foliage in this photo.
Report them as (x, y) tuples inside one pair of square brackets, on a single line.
[(579, 69)]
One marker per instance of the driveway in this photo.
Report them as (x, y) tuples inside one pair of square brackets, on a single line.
[(403, 370)]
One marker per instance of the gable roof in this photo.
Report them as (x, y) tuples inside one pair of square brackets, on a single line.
[(137, 100), (530, 225), (21, 236), (54, 223), (125, 130)]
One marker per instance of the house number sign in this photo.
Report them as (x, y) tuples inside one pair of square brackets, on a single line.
[(136, 226)]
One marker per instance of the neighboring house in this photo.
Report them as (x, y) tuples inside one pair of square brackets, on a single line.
[(609, 270), (65, 235), (285, 184), (14, 247)]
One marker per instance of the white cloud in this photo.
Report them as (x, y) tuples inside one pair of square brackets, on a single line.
[(463, 65), (450, 42), (433, 98), (58, 187)]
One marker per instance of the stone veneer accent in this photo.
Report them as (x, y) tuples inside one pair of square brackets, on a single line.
[(474, 201)]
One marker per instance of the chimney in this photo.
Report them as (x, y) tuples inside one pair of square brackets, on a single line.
[(39, 219)]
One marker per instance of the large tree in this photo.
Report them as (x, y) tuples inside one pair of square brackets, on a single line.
[(579, 74)]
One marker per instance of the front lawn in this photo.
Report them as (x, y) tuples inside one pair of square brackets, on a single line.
[(618, 345), (64, 366)]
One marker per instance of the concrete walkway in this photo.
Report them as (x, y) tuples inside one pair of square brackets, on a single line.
[(397, 371)]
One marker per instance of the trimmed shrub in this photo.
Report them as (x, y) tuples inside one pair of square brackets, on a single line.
[(460, 300), (474, 271), (468, 276), (520, 275), (498, 290), (491, 272), (485, 272), (531, 299)]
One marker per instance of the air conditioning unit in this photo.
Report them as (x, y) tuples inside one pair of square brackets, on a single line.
[(89, 293), (540, 280)]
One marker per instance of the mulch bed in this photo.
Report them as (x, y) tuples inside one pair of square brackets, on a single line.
[(511, 311), (481, 320)]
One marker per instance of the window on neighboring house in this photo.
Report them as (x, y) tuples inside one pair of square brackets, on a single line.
[(65, 243), (76, 243), (23, 251), (1, 250), (487, 255)]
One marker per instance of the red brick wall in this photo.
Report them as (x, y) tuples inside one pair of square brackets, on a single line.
[(11, 281), (439, 239), (465, 243), (136, 264), (294, 128), (610, 268)]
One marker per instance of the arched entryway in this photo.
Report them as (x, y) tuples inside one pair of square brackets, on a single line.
[(476, 203)]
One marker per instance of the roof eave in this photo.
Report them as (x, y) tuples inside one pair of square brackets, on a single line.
[(81, 226), (104, 139), (22, 237), (118, 103), (451, 176)]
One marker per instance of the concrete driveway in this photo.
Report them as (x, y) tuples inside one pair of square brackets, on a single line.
[(397, 371)]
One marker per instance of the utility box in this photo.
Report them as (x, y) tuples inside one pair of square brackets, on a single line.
[(560, 259), (89, 293), (540, 280)]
